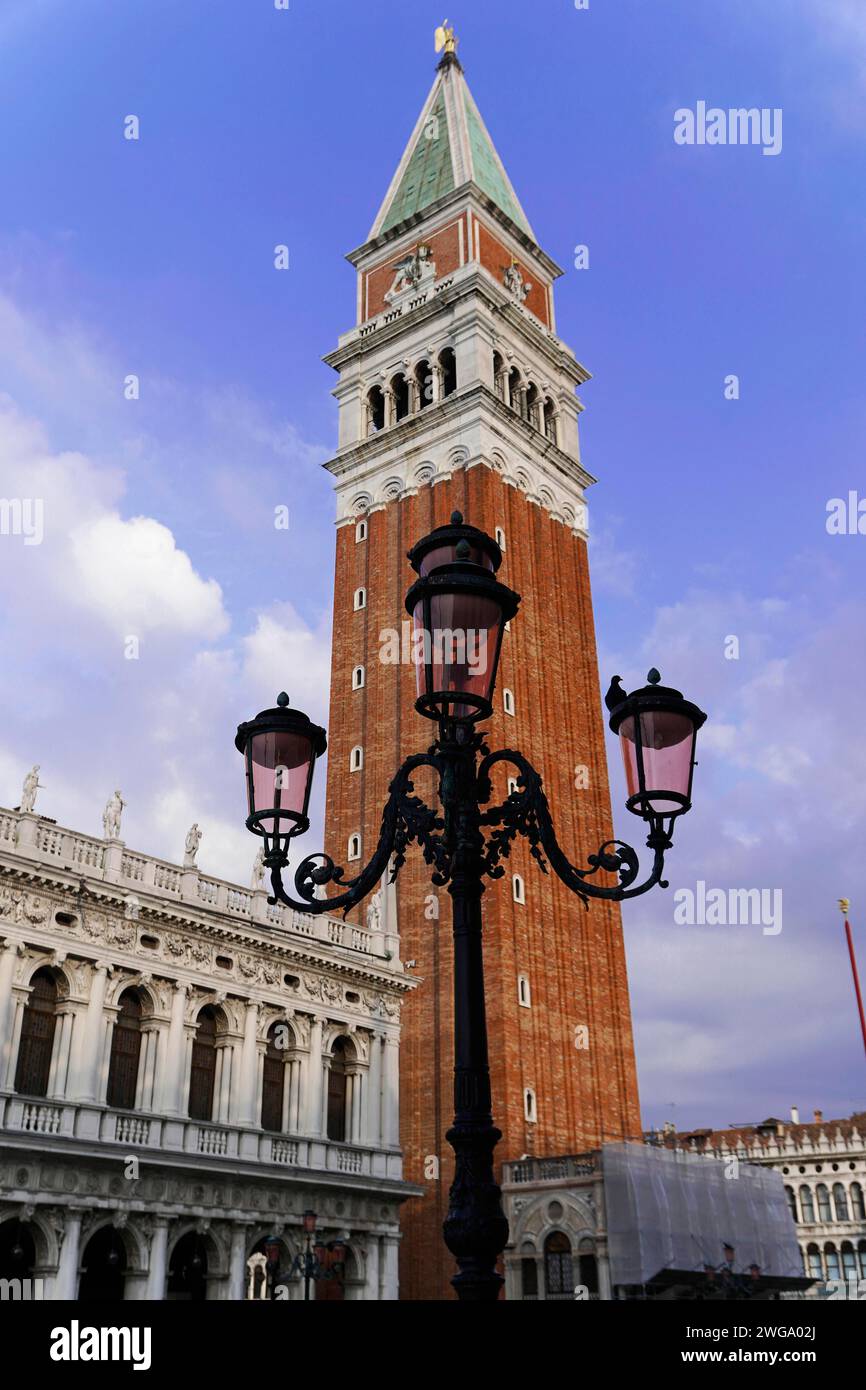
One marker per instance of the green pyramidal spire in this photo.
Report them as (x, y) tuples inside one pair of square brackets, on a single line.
[(450, 146)]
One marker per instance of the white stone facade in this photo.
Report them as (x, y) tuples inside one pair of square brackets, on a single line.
[(823, 1164), (290, 997)]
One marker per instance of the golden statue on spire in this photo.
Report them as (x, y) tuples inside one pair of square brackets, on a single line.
[(445, 38)]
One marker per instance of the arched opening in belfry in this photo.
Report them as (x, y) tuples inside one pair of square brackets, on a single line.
[(500, 376), (375, 409), (515, 382), (550, 424), (424, 387), (448, 367), (400, 389)]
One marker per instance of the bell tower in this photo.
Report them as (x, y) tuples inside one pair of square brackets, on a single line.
[(456, 393)]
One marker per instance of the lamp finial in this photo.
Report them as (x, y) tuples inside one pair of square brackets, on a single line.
[(282, 699)]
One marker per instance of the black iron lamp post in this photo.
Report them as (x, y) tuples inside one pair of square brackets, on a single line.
[(459, 610)]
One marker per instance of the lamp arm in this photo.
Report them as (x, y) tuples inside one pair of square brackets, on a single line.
[(404, 818), (526, 812)]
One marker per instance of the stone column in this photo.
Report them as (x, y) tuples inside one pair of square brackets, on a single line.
[(66, 1283), (604, 1286), (173, 1074), (20, 996), (60, 1053), (237, 1279), (389, 1282), (372, 1133), (8, 956), (155, 1291), (313, 1088), (391, 1094), (371, 1284), (246, 1099), (88, 1058)]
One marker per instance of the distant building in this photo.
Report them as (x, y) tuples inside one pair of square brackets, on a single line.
[(184, 1071), (640, 1221), (823, 1164)]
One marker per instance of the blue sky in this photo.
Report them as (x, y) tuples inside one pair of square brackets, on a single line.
[(155, 257)]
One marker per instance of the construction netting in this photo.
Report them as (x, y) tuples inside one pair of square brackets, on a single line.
[(674, 1211)]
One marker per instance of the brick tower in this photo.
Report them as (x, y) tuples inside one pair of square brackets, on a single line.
[(455, 392)]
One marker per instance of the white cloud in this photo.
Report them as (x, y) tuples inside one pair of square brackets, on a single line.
[(133, 575)]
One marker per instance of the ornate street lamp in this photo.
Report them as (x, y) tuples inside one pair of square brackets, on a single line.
[(459, 609)]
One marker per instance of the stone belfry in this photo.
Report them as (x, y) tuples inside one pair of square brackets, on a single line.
[(455, 392)]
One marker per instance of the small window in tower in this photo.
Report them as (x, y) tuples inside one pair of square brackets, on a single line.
[(358, 678), (508, 700), (360, 531), (529, 1108), (518, 889), (354, 846), (356, 759), (360, 599), (512, 786), (524, 998), (500, 537)]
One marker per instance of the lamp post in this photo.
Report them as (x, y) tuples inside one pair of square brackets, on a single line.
[(459, 611)]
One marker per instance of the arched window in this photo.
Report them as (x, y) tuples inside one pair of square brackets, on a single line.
[(533, 406), (356, 758), (524, 997), (513, 391), (203, 1069), (360, 600), (831, 1259), (508, 701), (824, 1212), (792, 1201), (354, 846), (518, 889), (558, 1269), (512, 786), (375, 410), (360, 531), (274, 1079), (400, 391), (849, 1261), (840, 1202), (550, 426), (424, 384), (37, 1036), (861, 1255), (500, 537), (529, 1109), (448, 368), (857, 1209), (813, 1261), (341, 1054), (358, 678), (125, 1053), (807, 1206), (500, 376)]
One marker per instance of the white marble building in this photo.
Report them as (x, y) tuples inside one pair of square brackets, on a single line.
[(185, 1070), (823, 1164)]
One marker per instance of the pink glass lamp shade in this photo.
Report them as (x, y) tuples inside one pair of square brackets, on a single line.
[(459, 611), (657, 730), (280, 747)]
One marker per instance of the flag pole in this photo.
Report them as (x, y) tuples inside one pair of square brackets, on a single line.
[(844, 906)]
